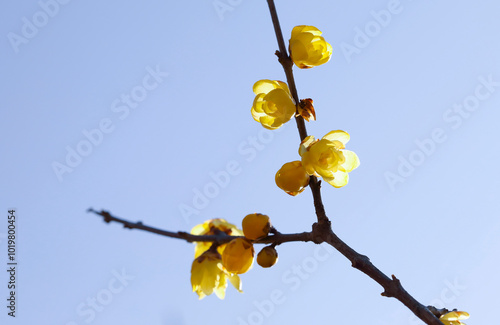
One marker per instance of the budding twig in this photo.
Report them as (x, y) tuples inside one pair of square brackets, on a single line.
[(322, 230), (287, 64)]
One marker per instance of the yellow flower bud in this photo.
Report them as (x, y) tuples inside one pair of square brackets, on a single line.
[(267, 257), (328, 158), (292, 178), (238, 256), (255, 226), (273, 104), (308, 48)]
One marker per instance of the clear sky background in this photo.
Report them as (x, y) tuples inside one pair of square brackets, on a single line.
[(164, 90)]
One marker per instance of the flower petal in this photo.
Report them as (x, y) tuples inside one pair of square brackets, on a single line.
[(264, 86), (220, 289), (454, 316), (308, 164), (304, 28), (338, 135), (281, 103), (284, 86), (235, 281), (339, 179), (269, 122), (351, 160), (200, 248), (306, 143)]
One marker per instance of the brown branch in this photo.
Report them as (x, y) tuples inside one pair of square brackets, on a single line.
[(222, 238), (322, 231), (392, 286)]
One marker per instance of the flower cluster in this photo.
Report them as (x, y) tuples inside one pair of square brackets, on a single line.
[(217, 264), (326, 158), (208, 274), (274, 105), (214, 265)]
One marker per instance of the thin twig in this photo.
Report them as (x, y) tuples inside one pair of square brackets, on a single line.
[(277, 238), (322, 230)]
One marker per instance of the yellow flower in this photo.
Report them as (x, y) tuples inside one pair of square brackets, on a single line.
[(454, 317), (308, 48), (273, 104), (292, 178), (328, 158), (212, 227), (256, 225), (267, 257), (237, 257), (208, 275)]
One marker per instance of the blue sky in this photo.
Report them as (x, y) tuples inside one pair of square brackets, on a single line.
[(141, 105)]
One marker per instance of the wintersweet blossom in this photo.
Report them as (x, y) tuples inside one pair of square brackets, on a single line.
[(292, 178), (308, 48), (273, 104), (208, 275), (237, 257), (454, 317), (213, 227), (328, 158), (256, 225)]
